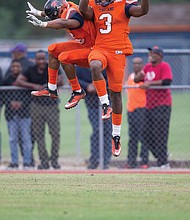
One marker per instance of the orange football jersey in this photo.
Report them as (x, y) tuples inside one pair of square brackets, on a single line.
[(112, 26), (136, 97), (86, 34)]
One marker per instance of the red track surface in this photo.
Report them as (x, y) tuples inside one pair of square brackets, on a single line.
[(123, 171)]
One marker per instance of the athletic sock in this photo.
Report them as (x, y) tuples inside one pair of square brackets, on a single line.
[(52, 87), (75, 84), (116, 124), (100, 86), (104, 99), (52, 78)]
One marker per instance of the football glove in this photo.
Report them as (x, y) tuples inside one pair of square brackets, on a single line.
[(35, 21), (33, 11)]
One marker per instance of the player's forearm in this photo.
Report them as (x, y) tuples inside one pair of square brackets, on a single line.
[(144, 6), (85, 10), (63, 23), (140, 10), (56, 24)]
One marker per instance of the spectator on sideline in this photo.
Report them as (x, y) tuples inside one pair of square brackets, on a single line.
[(158, 104), (43, 110), (92, 104), (1, 83), (18, 118), (1, 77), (19, 52), (112, 45), (1, 103), (136, 102)]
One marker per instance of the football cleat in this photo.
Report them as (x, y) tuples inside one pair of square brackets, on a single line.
[(106, 111), (45, 92), (75, 98), (116, 146)]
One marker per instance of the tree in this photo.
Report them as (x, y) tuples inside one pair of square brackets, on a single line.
[(14, 24)]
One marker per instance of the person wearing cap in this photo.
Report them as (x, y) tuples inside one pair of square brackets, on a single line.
[(1, 103), (17, 114), (158, 104), (19, 52)]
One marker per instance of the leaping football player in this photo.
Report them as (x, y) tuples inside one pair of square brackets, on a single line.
[(112, 45), (65, 15)]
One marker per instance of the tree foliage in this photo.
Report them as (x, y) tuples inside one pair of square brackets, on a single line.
[(14, 24)]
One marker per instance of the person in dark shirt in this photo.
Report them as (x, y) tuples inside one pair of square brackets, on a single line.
[(43, 110), (92, 104), (1, 77), (1, 82), (19, 52), (18, 118)]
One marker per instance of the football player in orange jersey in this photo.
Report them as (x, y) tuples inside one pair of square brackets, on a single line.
[(63, 14), (112, 45)]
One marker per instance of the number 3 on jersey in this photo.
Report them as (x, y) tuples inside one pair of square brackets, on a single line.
[(108, 20)]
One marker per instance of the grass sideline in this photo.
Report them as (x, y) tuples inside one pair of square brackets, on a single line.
[(95, 196)]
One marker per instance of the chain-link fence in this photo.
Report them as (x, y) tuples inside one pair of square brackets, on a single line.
[(44, 134)]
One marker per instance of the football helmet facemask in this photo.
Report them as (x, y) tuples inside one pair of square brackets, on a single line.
[(104, 3)]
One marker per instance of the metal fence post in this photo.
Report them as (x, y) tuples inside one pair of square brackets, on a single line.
[(0, 146), (78, 148), (101, 139)]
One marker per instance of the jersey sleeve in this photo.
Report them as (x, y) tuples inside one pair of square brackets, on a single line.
[(72, 13), (77, 16), (127, 7)]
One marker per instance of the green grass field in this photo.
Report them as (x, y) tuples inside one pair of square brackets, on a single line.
[(93, 197), (179, 137)]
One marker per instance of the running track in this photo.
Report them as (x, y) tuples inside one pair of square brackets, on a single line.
[(91, 172)]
